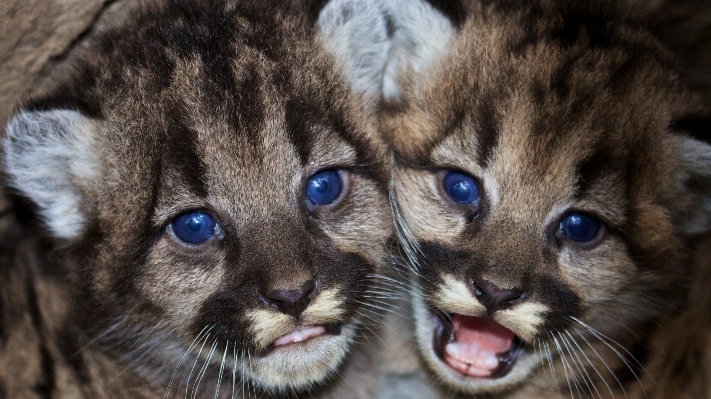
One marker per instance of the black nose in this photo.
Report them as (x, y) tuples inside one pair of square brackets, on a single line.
[(494, 298), (292, 302)]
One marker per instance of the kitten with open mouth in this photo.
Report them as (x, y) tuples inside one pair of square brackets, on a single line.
[(475, 346), (548, 170)]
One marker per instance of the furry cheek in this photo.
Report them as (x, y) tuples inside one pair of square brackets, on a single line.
[(168, 282), (598, 274)]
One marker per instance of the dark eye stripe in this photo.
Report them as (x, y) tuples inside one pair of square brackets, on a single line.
[(591, 169), (488, 130), (181, 152)]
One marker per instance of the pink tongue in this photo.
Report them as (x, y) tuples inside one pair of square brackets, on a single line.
[(489, 334), (478, 340)]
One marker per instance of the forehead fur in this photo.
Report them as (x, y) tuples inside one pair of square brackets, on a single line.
[(576, 81), (227, 108), (165, 88), (227, 64)]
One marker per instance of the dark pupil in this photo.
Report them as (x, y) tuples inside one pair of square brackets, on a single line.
[(324, 187), (581, 228), (460, 190), (194, 224), (321, 185)]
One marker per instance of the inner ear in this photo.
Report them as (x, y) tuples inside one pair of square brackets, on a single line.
[(385, 46), (51, 158)]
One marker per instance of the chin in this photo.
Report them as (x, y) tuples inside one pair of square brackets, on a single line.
[(300, 364), (472, 354)]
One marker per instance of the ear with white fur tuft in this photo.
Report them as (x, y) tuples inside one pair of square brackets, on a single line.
[(49, 158), (381, 44), (695, 177), (357, 34)]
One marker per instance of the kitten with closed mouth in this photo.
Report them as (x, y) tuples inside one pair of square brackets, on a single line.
[(202, 210)]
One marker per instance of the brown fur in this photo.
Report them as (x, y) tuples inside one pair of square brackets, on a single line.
[(33, 35)]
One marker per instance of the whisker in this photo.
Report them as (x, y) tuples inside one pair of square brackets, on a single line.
[(578, 364), (604, 339), (382, 308), (187, 383), (552, 367), (180, 362), (596, 332), (222, 369), (201, 374), (243, 377), (604, 363), (538, 347), (374, 334), (404, 234), (564, 363), (591, 364), (388, 281), (106, 332), (234, 368), (250, 383), (577, 376)]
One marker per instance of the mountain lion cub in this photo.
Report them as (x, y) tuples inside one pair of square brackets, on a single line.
[(547, 181), (215, 206)]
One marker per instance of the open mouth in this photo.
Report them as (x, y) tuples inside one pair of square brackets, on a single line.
[(475, 346), (304, 333)]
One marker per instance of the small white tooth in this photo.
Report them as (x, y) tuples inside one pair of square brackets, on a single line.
[(453, 349), (488, 360), (461, 351), (472, 354), (300, 334)]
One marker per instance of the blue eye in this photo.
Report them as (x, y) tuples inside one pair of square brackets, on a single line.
[(580, 228), (194, 227), (324, 187), (461, 188)]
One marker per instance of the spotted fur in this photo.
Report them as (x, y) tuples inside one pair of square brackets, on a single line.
[(221, 106), (555, 107)]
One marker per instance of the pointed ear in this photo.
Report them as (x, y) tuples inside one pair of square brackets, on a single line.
[(384, 44), (50, 158), (694, 211)]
